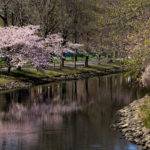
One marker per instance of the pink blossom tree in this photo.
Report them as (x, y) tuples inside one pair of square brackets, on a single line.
[(20, 45), (54, 44), (76, 48), (57, 45)]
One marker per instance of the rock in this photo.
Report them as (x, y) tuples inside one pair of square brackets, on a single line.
[(146, 130), (125, 125)]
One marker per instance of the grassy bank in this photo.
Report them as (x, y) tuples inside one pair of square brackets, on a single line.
[(32, 75), (145, 112)]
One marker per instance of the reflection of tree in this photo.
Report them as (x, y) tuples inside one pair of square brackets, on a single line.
[(63, 91), (8, 101), (4, 144), (107, 95), (99, 82), (50, 92), (87, 90), (74, 90), (111, 91)]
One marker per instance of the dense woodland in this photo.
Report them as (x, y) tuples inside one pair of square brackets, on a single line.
[(118, 27)]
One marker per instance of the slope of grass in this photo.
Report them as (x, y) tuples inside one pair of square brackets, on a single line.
[(145, 113), (5, 79)]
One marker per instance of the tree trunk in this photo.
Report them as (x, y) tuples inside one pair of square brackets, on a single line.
[(87, 90), (19, 68), (75, 60), (5, 22), (9, 69), (99, 58), (54, 65), (86, 61), (5, 17), (62, 62), (12, 19), (8, 64)]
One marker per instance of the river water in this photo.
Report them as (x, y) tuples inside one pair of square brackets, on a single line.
[(72, 115)]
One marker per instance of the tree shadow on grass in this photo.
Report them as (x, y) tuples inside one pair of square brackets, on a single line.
[(25, 76)]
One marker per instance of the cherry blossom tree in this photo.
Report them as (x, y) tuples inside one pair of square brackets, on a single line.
[(20, 45), (54, 44), (76, 48)]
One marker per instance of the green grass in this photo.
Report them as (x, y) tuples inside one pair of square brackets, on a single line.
[(2, 64), (35, 73), (28, 72), (145, 113), (53, 73), (69, 59), (3, 81)]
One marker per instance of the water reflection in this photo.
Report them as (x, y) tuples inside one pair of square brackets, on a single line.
[(73, 115)]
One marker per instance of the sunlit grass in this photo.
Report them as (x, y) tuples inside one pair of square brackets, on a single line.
[(53, 73), (2, 64), (145, 113), (37, 74), (5, 79)]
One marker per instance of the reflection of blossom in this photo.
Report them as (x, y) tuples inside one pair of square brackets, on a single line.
[(43, 111), (17, 134), (23, 124)]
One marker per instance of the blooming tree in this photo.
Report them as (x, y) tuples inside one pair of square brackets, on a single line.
[(76, 48), (54, 44), (20, 45)]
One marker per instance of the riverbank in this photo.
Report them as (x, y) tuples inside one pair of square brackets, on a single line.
[(30, 77), (129, 123)]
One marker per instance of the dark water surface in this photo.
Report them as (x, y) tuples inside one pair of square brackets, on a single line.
[(73, 115)]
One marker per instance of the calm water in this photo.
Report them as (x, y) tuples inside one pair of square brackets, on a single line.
[(74, 115)]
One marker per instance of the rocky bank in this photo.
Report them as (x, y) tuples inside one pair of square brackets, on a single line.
[(130, 125)]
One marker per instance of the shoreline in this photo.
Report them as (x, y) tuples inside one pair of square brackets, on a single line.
[(20, 84), (130, 125)]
